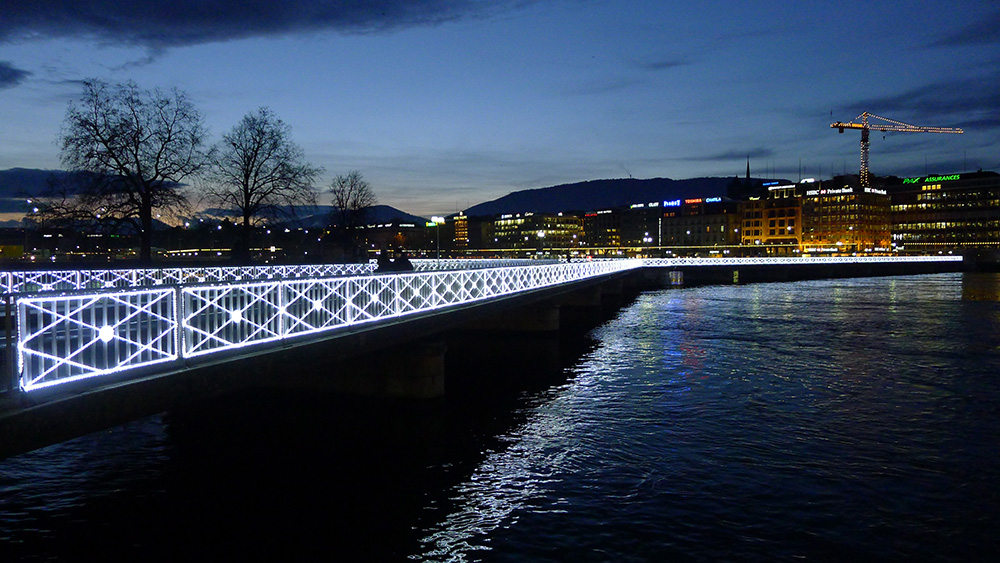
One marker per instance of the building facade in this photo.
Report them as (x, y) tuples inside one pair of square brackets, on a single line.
[(840, 216), (937, 213)]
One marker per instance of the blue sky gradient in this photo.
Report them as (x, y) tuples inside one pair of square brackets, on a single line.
[(442, 104)]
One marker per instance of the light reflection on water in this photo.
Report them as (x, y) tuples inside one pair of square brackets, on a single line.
[(826, 420), (835, 419)]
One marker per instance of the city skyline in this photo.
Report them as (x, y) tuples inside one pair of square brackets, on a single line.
[(442, 105)]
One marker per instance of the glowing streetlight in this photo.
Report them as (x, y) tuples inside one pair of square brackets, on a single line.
[(437, 222)]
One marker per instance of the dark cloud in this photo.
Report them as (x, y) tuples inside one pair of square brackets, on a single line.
[(10, 75), (968, 103), (660, 65), (982, 32), (158, 24), (725, 156)]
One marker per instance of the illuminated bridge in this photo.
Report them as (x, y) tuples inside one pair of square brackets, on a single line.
[(73, 336)]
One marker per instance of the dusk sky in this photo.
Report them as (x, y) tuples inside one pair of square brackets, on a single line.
[(443, 104)]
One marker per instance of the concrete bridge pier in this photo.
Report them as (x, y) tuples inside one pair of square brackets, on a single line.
[(537, 318), (414, 370)]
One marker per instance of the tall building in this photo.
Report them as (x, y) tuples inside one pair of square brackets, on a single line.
[(536, 231), (602, 229), (937, 213), (461, 226), (774, 222), (842, 216), (703, 223)]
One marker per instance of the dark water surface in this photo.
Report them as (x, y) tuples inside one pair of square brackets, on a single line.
[(834, 420)]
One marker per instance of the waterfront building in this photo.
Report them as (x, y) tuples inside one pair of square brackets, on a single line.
[(707, 224), (841, 216), (602, 229), (640, 225), (537, 231), (774, 222), (460, 239), (945, 212)]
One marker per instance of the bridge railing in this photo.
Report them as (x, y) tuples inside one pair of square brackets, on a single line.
[(84, 334), (18, 282), (791, 260), (432, 264)]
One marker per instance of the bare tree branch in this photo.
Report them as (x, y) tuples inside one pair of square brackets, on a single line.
[(352, 199), (259, 173), (139, 146)]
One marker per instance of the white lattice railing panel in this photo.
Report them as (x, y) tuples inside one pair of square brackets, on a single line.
[(83, 334), (21, 282), (63, 339), (315, 305), (447, 264), (792, 260), (218, 317), (372, 298), (416, 293)]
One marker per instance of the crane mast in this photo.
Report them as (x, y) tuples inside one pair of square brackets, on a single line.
[(888, 125)]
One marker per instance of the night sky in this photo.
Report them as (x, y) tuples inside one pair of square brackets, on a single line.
[(442, 104)]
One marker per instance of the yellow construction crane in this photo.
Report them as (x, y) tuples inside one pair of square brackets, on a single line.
[(889, 125)]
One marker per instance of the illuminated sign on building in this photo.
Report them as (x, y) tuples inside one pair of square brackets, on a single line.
[(932, 179), (637, 205), (672, 203), (693, 201), (875, 191), (837, 191), (713, 199), (782, 187)]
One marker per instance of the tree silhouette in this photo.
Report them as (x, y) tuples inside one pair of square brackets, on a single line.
[(352, 199), (259, 173), (138, 146)]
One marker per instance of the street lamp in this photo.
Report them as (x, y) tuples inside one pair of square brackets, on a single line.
[(437, 222)]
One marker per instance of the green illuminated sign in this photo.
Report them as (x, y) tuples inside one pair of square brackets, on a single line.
[(932, 179), (944, 178)]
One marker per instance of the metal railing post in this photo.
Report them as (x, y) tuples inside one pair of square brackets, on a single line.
[(10, 377)]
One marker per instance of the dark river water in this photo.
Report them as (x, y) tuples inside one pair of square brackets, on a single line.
[(833, 420)]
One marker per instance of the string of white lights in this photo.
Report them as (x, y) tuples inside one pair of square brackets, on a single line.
[(77, 335), (793, 260), (18, 282)]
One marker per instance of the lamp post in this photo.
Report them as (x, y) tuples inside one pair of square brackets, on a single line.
[(437, 222)]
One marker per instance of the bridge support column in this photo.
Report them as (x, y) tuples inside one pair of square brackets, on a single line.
[(409, 371), (412, 371), (613, 293), (535, 318)]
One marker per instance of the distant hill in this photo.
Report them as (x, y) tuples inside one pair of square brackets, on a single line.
[(600, 194), (17, 184)]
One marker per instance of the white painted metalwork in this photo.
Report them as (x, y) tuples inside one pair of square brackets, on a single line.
[(71, 337), (431, 264), (791, 260), (96, 331), (18, 282), (89, 333)]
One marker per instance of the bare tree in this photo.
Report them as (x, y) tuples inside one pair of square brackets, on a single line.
[(352, 199), (139, 146), (257, 172)]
